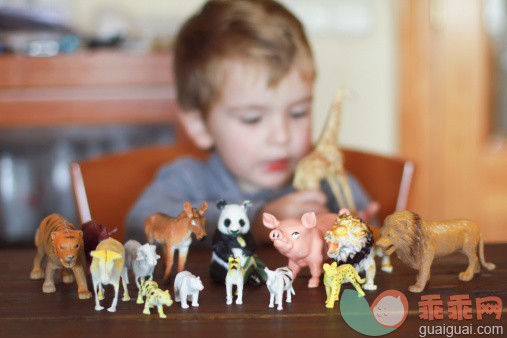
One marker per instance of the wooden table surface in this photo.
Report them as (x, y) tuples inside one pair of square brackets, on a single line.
[(26, 311)]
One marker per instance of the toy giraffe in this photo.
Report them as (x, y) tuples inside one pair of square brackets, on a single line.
[(326, 160)]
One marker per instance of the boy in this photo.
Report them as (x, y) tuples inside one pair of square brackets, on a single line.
[(244, 73)]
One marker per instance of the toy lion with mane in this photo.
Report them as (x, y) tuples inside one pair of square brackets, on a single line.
[(350, 241), (418, 242)]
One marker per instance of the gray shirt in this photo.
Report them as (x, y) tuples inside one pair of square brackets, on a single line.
[(195, 181)]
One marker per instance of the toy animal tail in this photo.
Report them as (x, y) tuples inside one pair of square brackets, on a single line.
[(489, 266), (358, 278), (292, 290)]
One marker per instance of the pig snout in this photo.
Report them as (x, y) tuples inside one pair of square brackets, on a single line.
[(279, 241), (275, 235)]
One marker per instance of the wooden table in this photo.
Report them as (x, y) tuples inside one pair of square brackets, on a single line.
[(26, 311)]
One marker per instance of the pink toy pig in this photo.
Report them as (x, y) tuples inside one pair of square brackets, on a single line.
[(302, 241)]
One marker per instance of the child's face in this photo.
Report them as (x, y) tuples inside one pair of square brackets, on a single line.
[(261, 132)]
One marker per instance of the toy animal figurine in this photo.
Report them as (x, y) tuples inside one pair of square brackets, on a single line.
[(279, 280), (154, 297), (175, 233), (350, 241), (417, 242), (325, 162), (333, 279), (93, 234), (146, 285), (187, 285), (233, 238), (57, 239), (234, 277), (302, 241), (141, 259), (108, 266)]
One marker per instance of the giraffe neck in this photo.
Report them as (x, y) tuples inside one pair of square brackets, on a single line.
[(329, 135)]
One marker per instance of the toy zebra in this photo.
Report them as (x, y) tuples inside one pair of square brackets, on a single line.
[(279, 281)]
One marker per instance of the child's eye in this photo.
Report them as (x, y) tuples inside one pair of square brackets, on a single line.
[(250, 119), (299, 113)]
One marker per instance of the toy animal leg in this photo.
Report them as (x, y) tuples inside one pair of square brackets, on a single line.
[(49, 283), (271, 298), (161, 313), (195, 298), (146, 309), (239, 291), (228, 290), (335, 188), (126, 296), (139, 297), (82, 287), (370, 276), (168, 260), (97, 289), (358, 288), (67, 276), (294, 267), (37, 271), (182, 258), (112, 308), (424, 274), (473, 262), (138, 283), (184, 300), (386, 265), (279, 297), (315, 271), (289, 295), (101, 292)]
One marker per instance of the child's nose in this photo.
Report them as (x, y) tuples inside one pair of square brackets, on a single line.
[(280, 132)]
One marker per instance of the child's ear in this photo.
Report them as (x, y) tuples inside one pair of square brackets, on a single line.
[(196, 128)]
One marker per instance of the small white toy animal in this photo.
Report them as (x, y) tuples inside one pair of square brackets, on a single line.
[(107, 268), (141, 259), (234, 277), (279, 280), (186, 285)]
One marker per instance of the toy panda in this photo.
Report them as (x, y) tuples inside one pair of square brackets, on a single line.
[(233, 238)]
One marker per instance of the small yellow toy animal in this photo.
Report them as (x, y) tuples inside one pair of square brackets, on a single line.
[(334, 276), (154, 297), (108, 266), (57, 239)]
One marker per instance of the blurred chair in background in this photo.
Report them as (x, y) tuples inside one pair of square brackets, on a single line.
[(106, 187)]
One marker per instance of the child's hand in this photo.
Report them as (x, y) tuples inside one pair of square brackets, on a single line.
[(294, 205)]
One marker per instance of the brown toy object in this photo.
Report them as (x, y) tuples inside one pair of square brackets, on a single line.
[(326, 160), (418, 242), (57, 239), (174, 233)]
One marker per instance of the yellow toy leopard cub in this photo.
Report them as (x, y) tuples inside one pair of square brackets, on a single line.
[(334, 276), (154, 297)]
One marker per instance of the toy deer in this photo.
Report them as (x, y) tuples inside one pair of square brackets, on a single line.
[(174, 233), (326, 160)]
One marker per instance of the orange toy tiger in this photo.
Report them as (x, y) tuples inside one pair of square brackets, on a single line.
[(63, 244)]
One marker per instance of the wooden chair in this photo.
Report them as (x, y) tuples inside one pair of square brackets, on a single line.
[(386, 179), (106, 187)]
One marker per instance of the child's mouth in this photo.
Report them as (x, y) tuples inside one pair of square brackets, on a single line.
[(277, 165)]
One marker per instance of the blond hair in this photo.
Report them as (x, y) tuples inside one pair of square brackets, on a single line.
[(259, 31)]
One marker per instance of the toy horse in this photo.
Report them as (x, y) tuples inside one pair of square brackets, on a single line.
[(174, 233)]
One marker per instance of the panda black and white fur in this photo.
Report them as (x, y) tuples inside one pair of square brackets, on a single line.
[(232, 238)]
